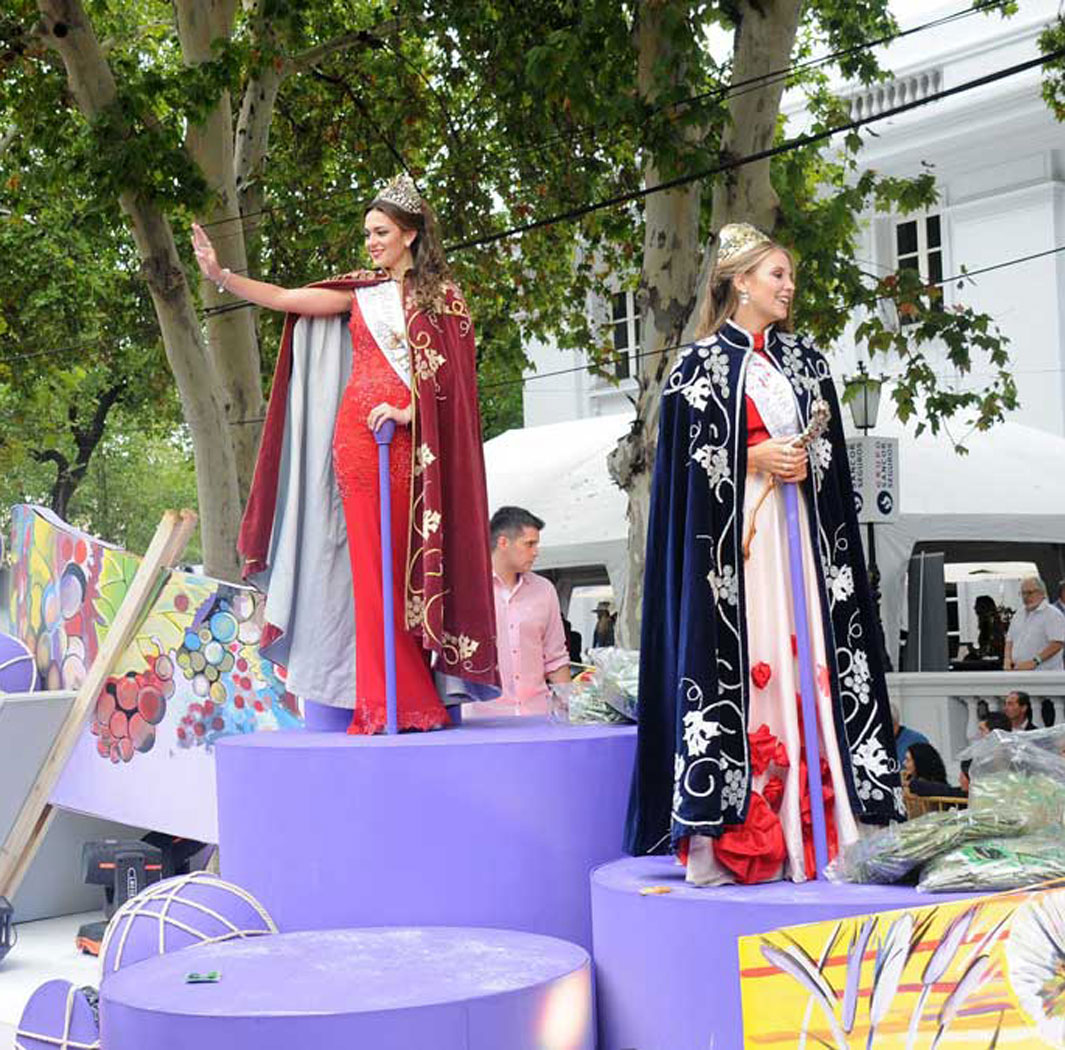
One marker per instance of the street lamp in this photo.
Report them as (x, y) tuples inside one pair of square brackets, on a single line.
[(865, 407)]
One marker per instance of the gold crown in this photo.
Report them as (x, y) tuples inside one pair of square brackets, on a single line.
[(402, 192), (738, 237)]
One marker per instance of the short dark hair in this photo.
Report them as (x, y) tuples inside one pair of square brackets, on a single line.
[(997, 720), (927, 763), (513, 521), (1024, 700)]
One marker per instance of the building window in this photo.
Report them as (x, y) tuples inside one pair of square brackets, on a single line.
[(625, 323), (919, 246)]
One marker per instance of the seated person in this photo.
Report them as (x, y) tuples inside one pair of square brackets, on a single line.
[(995, 720), (924, 773), (963, 777)]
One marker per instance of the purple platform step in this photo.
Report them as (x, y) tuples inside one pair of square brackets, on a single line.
[(389, 989), (494, 823), (667, 965)]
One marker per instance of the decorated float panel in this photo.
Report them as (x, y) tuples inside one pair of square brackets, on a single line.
[(979, 973), (192, 675)]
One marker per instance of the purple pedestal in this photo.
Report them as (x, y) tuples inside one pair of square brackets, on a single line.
[(323, 718), (667, 966), (494, 823), (389, 989)]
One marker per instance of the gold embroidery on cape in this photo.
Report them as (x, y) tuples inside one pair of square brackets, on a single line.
[(456, 651), (456, 307), (424, 458), (427, 359)]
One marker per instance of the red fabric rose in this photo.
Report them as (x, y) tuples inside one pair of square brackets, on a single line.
[(761, 673), (754, 850), (780, 756), (763, 747), (774, 793)]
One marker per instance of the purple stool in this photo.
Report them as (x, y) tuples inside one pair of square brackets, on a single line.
[(436, 988)]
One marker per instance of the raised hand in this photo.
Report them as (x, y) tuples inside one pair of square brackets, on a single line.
[(205, 253)]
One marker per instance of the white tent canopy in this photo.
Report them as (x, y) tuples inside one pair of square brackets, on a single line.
[(1010, 487), (559, 473)]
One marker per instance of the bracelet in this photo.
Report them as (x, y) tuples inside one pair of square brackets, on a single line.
[(223, 276), (1037, 660)]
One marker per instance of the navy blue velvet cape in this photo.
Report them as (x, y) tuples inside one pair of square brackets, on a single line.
[(692, 773)]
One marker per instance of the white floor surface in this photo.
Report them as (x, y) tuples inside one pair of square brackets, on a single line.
[(44, 952)]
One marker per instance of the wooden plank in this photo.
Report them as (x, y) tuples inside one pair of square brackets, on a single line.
[(168, 543)]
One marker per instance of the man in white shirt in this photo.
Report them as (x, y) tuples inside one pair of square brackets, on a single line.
[(530, 639), (1036, 635)]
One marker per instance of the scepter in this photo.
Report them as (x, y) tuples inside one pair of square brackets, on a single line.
[(820, 413), (383, 436)]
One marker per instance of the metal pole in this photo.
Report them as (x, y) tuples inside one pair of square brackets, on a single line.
[(874, 593), (383, 436), (807, 686)]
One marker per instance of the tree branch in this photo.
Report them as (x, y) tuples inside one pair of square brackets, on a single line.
[(7, 140), (313, 56), (51, 455), (365, 111)]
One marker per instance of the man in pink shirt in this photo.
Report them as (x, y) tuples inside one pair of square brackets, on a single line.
[(529, 635)]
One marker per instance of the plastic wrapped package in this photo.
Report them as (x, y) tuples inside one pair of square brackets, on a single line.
[(1051, 739), (1010, 775), (997, 864), (890, 854), (582, 702), (619, 671)]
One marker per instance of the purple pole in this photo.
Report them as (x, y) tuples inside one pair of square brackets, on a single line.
[(806, 677), (383, 436)]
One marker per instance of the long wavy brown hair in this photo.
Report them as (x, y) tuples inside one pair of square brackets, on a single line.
[(429, 274), (722, 299)]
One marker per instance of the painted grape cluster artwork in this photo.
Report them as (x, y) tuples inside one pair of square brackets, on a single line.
[(193, 672)]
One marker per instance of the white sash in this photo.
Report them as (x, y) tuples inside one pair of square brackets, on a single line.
[(382, 311), (773, 397)]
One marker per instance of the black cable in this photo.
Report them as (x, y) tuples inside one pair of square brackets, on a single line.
[(773, 151), (731, 165), (640, 355), (737, 89)]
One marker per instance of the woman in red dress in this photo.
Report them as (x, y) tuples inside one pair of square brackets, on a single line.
[(409, 337)]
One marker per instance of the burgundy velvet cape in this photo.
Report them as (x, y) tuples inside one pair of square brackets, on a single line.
[(449, 601)]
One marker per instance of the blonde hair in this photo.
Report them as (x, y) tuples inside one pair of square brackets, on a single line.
[(722, 300)]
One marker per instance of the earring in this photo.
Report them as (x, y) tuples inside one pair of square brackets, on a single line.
[(745, 298)]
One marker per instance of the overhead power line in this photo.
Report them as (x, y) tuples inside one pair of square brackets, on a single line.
[(799, 142), (645, 354), (723, 91)]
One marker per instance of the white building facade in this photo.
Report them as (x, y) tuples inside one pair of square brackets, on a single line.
[(998, 156)]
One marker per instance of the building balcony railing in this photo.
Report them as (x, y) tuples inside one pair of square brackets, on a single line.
[(898, 92), (943, 704)]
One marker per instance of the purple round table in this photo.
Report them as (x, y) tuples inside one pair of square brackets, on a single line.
[(389, 989), (667, 970), (493, 823)]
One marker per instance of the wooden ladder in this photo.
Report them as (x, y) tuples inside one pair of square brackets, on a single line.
[(31, 825)]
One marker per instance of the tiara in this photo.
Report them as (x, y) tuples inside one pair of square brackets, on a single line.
[(402, 192), (738, 237)]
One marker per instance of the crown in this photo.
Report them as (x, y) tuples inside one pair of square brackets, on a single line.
[(738, 237), (402, 192)]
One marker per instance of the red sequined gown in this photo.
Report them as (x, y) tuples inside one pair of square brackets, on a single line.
[(373, 381)]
